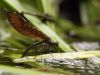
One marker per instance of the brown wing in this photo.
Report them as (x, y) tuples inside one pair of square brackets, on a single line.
[(22, 26)]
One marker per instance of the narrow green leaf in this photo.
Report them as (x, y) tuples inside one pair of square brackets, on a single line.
[(41, 26), (16, 71)]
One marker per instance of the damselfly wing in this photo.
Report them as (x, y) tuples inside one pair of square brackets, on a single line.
[(23, 26)]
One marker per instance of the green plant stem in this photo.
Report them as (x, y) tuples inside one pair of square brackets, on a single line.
[(64, 56)]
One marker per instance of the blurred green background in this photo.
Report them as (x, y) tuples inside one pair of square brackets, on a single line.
[(75, 21)]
